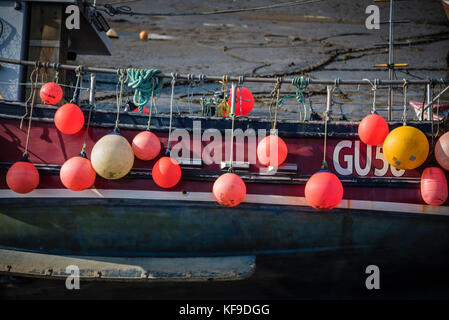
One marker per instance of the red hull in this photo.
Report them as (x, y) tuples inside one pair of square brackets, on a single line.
[(369, 183)]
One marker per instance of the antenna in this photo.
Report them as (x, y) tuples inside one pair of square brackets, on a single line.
[(391, 43)]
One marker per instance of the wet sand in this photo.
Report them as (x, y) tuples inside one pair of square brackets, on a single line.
[(326, 40)]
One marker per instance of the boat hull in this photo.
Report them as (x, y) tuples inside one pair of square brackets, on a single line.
[(133, 217), (133, 227)]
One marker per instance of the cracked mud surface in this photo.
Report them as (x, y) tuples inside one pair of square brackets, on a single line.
[(326, 40)]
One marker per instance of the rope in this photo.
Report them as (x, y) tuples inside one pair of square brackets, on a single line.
[(126, 10), (83, 153), (231, 160), (374, 89), (119, 95), (146, 83), (173, 81), (35, 70), (275, 93), (152, 102), (77, 92), (33, 94), (404, 113)]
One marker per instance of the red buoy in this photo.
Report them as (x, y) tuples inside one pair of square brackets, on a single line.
[(373, 130), (243, 101), (50, 93), (146, 145), (69, 118), (434, 186), (166, 172), (273, 144), (324, 190), (22, 177), (442, 151), (77, 174), (229, 190)]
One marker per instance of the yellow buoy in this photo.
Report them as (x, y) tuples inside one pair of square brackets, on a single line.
[(112, 156), (406, 148)]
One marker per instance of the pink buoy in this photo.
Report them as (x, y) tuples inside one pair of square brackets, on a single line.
[(434, 188), (442, 151)]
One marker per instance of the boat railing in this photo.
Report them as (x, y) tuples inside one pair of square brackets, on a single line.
[(426, 113)]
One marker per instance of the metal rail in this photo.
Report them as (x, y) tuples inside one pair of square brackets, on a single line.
[(230, 78)]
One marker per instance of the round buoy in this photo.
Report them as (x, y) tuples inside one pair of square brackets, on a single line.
[(324, 190), (373, 130), (143, 35), (166, 172), (112, 156), (146, 145), (229, 190), (77, 173), (50, 93), (269, 144), (406, 148), (69, 118), (22, 177), (243, 101), (442, 151)]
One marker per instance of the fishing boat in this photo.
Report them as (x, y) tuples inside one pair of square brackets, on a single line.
[(133, 229)]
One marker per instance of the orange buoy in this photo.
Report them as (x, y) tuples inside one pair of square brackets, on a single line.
[(77, 173), (143, 35), (166, 172), (243, 101), (229, 190), (373, 130), (442, 151), (51, 93), (146, 145), (69, 118), (434, 186), (273, 144), (324, 190), (22, 177)]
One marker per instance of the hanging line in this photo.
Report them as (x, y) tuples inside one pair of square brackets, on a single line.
[(83, 150), (404, 113), (56, 79), (78, 72), (374, 87), (33, 94), (152, 103), (301, 83), (119, 95), (173, 81), (240, 85), (190, 91), (35, 70), (44, 73), (330, 92), (146, 83), (275, 95), (234, 98)]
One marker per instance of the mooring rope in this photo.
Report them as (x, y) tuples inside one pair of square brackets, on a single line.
[(146, 83)]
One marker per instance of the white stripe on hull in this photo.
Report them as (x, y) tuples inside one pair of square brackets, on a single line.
[(208, 197)]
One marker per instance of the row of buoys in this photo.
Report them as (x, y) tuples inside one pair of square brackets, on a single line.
[(407, 148)]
